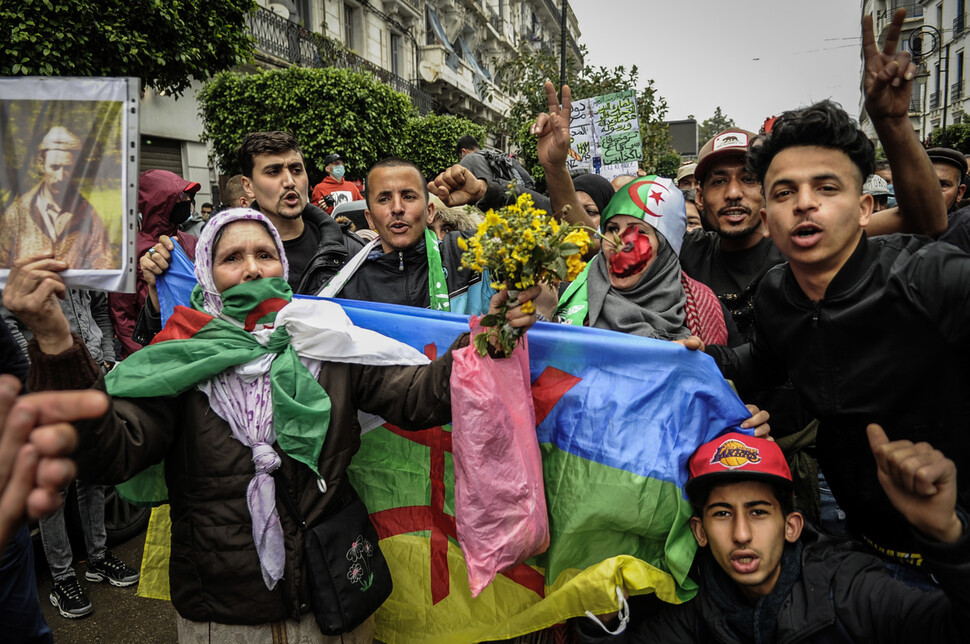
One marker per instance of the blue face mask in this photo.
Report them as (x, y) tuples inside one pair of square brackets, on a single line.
[(338, 172)]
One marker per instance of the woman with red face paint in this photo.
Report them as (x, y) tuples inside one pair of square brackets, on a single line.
[(635, 284)]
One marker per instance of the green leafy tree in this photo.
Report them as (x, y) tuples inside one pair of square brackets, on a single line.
[(431, 141), (668, 165), (957, 137), (166, 44), (710, 127), (524, 75), (329, 110)]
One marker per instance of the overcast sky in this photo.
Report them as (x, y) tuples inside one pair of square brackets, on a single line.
[(754, 58)]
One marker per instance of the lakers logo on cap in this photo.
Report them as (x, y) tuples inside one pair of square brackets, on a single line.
[(733, 454)]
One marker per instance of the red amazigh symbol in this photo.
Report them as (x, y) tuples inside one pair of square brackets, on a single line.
[(634, 191), (547, 390)]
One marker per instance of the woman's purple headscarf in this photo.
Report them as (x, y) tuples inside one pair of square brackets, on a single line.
[(205, 249)]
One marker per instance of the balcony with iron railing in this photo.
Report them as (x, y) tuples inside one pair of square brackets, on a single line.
[(960, 25), (934, 100), (287, 41), (915, 105), (956, 91), (914, 10)]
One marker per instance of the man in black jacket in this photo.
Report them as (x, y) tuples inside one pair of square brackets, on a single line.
[(407, 264), (867, 330), (762, 578)]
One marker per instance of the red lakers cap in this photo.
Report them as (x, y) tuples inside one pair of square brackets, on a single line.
[(734, 456)]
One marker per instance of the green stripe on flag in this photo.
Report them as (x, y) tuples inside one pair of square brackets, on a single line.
[(404, 467), (597, 512)]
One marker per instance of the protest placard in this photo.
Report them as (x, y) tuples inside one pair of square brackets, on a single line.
[(605, 134)]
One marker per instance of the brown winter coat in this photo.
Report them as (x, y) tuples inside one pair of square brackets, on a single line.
[(214, 570)]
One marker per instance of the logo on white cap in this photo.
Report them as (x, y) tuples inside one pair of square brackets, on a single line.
[(730, 140)]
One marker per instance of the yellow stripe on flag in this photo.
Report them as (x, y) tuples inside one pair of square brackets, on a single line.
[(154, 562), (504, 609)]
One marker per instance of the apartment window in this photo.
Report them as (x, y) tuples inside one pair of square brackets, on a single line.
[(957, 89), (396, 54), (351, 27), (302, 14)]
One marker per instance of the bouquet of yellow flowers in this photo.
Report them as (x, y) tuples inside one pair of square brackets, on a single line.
[(521, 246)]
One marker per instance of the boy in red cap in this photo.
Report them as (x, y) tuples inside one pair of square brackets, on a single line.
[(764, 576)]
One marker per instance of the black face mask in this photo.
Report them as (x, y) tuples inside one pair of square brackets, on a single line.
[(181, 212)]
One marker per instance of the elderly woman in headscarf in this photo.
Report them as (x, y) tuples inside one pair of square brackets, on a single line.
[(635, 284), (239, 387)]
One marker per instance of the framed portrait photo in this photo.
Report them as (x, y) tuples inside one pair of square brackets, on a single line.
[(69, 177)]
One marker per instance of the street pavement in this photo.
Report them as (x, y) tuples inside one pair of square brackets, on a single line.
[(119, 617)]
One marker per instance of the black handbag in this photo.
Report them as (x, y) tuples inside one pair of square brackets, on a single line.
[(348, 575)]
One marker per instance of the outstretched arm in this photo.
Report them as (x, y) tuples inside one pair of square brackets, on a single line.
[(154, 263), (552, 128), (35, 441), (34, 287), (888, 84)]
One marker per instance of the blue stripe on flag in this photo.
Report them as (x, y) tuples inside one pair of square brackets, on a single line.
[(641, 405)]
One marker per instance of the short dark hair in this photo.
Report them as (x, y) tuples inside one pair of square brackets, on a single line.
[(881, 164), (783, 493), (467, 142), (206, 205), (395, 162), (824, 124), (256, 143)]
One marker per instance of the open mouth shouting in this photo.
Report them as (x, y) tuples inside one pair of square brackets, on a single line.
[(398, 227), (806, 234), (745, 562), (291, 199)]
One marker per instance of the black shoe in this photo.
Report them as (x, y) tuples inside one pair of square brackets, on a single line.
[(112, 569), (69, 599)]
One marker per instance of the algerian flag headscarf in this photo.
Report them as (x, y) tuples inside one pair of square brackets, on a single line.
[(655, 200), (256, 355), (655, 307)]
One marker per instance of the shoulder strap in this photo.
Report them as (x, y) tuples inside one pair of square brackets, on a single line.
[(574, 303), (338, 281), (437, 283)]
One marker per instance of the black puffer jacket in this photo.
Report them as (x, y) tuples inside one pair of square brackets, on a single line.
[(401, 277), (214, 569), (336, 245), (888, 344)]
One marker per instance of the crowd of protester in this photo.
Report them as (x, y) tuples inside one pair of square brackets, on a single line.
[(832, 290)]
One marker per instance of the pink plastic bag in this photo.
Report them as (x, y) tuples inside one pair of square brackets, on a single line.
[(500, 501)]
